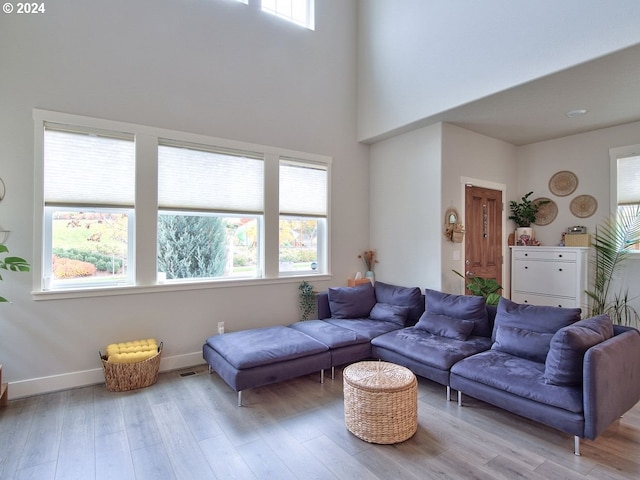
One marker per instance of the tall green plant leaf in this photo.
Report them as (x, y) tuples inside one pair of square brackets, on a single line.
[(611, 244)]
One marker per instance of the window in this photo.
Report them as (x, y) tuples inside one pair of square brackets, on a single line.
[(89, 198), (296, 11), (625, 178), (303, 212), (129, 205), (211, 210)]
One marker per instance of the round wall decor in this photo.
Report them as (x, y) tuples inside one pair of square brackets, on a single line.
[(583, 206), (563, 183), (547, 212)]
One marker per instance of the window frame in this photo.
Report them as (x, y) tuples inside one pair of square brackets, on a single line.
[(146, 210), (615, 154)]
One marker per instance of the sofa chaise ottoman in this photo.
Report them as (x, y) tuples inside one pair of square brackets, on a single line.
[(262, 356)]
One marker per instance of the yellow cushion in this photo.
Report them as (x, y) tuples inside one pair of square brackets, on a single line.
[(131, 357), (149, 347)]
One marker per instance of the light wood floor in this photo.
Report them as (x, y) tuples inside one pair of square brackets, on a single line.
[(188, 427)]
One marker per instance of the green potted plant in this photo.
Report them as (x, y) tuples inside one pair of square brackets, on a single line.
[(307, 300), (612, 244), (523, 214), (14, 264), (483, 287)]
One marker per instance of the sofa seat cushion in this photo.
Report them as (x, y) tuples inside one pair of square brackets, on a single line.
[(263, 346), (518, 376), (463, 307), (364, 326), (432, 350), (332, 336)]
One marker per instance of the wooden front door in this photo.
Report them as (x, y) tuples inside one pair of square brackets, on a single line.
[(483, 237)]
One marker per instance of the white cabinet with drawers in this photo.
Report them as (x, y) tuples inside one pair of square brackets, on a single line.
[(555, 276)]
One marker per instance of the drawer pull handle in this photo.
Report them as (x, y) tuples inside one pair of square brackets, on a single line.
[(560, 255), (526, 254), (526, 301), (526, 268), (559, 269)]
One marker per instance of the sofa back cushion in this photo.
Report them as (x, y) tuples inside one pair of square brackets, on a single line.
[(352, 302), (563, 365), (410, 297), (462, 307), (445, 326), (526, 330), (389, 313)]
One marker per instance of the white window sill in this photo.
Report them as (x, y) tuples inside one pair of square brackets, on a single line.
[(40, 295)]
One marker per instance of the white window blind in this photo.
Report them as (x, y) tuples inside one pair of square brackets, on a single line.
[(629, 180), (194, 177), (88, 169), (303, 188)]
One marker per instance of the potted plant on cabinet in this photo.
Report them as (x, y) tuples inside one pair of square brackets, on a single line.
[(523, 214)]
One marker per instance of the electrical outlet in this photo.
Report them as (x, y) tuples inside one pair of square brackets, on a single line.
[(220, 328)]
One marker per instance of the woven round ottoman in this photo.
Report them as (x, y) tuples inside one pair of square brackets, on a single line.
[(380, 402)]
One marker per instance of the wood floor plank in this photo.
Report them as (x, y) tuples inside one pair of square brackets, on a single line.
[(15, 423), (43, 441), (139, 422), (152, 463), (293, 454), (263, 461), (225, 461), (340, 462), (182, 449), (77, 436), (44, 471), (113, 457)]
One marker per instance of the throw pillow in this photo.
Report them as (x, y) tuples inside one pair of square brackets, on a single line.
[(351, 302), (445, 326), (462, 307), (405, 296), (389, 313), (537, 318), (568, 346), (522, 343)]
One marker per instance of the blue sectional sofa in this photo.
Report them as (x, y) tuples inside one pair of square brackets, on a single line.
[(543, 363)]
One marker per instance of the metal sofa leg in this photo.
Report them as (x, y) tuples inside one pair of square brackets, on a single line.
[(576, 445), (333, 373), (448, 393), (322, 376), (459, 398), (240, 398)]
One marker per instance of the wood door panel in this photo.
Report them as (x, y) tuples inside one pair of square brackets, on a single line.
[(483, 237)]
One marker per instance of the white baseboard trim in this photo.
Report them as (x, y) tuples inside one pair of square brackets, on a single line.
[(53, 383)]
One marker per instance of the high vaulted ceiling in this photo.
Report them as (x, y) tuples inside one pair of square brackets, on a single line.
[(608, 87)]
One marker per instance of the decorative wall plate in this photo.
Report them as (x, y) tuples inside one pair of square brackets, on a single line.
[(563, 183), (547, 212), (583, 206)]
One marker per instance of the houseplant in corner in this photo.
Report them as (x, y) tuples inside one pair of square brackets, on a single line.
[(14, 264), (524, 213), (613, 243), (307, 300)]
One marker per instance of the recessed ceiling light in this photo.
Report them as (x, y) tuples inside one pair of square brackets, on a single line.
[(577, 112)]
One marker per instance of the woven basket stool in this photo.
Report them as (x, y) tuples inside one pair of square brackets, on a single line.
[(380, 402)]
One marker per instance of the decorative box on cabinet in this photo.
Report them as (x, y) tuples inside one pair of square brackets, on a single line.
[(554, 276)]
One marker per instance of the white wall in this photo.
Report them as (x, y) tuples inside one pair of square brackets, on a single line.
[(217, 68), (586, 155), (405, 207), (419, 58), (489, 163)]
